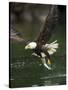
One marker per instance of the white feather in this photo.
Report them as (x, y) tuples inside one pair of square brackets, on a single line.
[(51, 48)]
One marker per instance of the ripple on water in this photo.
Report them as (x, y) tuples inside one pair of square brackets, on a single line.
[(17, 65), (54, 76)]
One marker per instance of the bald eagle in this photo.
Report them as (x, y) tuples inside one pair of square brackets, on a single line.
[(39, 46)]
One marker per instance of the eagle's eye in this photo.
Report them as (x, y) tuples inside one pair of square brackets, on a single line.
[(28, 46)]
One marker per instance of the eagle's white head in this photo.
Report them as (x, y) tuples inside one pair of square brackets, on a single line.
[(31, 45)]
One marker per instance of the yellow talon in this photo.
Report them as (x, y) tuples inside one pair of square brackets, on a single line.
[(49, 62)]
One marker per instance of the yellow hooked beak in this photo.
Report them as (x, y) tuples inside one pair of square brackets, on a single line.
[(27, 46)]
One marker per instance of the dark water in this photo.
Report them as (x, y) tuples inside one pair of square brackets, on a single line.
[(27, 70)]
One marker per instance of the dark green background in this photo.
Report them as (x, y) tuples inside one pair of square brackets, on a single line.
[(27, 70)]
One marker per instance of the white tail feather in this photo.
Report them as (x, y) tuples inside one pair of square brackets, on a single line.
[(51, 48)]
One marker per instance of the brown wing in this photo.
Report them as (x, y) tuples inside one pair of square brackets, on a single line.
[(49, 25), (16, 36)]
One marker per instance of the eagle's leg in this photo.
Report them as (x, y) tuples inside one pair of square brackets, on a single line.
[(45, 64), (48, 58), (34, 54)]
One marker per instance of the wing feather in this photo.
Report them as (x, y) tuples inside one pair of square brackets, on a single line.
[(16, 36), (49, 25)]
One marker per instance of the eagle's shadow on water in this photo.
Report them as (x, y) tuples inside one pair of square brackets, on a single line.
[(27, 73)]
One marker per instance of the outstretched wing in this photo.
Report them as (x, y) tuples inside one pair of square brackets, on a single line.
[(49, 25), (16, 36)]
